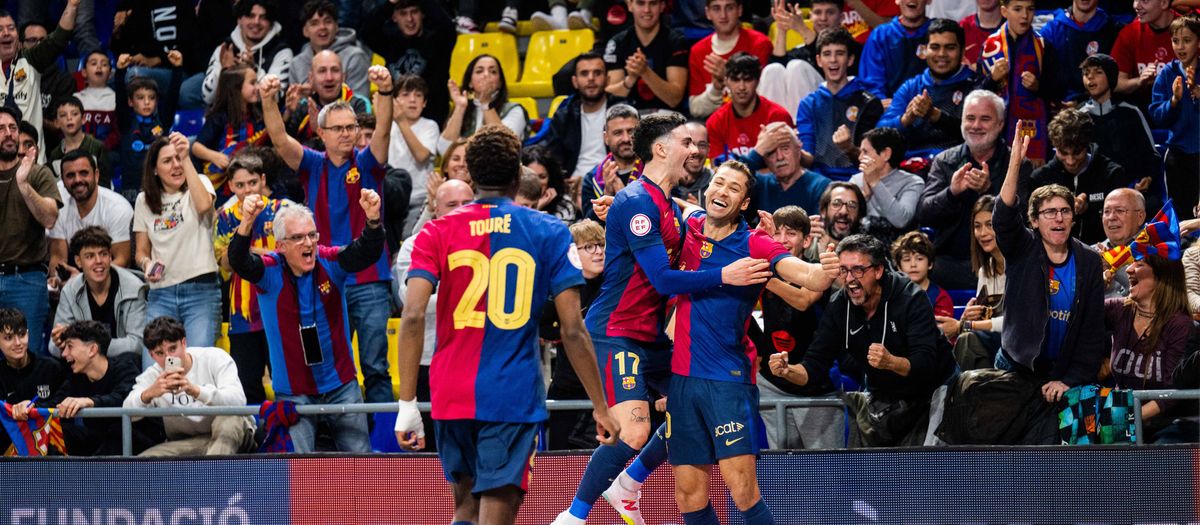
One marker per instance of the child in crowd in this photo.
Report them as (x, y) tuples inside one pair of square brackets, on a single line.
[(978, 27), (1121, 132), (414, 140), (233, 122), (68, 117), (913, 253), (99, 100), (1015, 60), (141, 130), (1173, 105)]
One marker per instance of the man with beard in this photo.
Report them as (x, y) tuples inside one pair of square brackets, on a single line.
[(957, 178), (576, 129), (841, 210), (85, 203), (415, 37), (321, 28), (620, 166), (927, 109), (29, 202), (101, 292), (789, 183), (326, 84), (23, 77), (733, 126), (697, 173)]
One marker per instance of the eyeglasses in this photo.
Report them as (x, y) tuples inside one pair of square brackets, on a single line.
[(313, 236), (593, 248), (839, 203), (338, 130), (857, 272), (1054, 213)]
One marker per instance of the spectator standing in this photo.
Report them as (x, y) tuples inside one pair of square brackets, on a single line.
[(1142, 49), (415, 37), (708, 58), (978, 27), (203, 377), (99, 101), (414, 143), (1020, 67), (159, 40), (101, 292), (87, 203), (892, 193), (323, 32), (1175, 105), (55, 82), (233, 121), (324, 85), (303, 285), (482, 100), (894, 51), (831, 121), (648, 61), (1075, 33), (142, 128), (330, 180), (255, 43), (30, 200), (26, 64), (172, 226)]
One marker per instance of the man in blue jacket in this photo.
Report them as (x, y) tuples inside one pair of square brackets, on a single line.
[(927, 109), (894, 51), (1076, 33)]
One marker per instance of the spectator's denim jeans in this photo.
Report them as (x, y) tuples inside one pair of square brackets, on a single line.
[(26, 291), (349, 430), (191, 96), (369, 307), (196, 304)]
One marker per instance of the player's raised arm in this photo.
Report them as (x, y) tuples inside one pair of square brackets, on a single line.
[(815, 277)]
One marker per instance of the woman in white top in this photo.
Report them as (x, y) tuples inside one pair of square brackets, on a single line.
[(978, 330), (173, 223), (482, 100)]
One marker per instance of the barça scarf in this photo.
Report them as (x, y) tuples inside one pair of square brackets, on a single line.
[(1023, 53)]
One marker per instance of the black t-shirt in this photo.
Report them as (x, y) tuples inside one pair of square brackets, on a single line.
[(786, 329), (41, 377), (105, 314), (564, 382), (668, 49)]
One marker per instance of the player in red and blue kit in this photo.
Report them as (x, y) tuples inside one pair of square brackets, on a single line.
[(496, 263), (712, 408), (331, 180), (642, 242)]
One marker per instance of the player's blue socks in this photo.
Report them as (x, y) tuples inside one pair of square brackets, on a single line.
[(606, 464), (759, 514), (704, 516), (651, 456)]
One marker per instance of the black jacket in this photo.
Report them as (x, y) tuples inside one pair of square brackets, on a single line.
[(43, 373), (949, 214), (1100, 177), (565, 136), (1026, 283), (903, 323), (426, 55)]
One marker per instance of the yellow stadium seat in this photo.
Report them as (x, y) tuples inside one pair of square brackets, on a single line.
[(500, 45), (223, 338), (530, 105), (393, 337), (548, 51), (554, 105), (793, 38)]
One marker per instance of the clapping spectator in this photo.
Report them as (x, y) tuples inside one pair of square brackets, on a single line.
[(1175, 105), (708, 59), (1142, 49), (1019, 66), (481, 100), (1121, 132), (733, 125), (648, 61)]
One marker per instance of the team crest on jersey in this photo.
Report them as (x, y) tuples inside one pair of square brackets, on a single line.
[(1160, 55), (19, 76), (43, 391), (157, 130), (957, 98), (1054, 286), (852, 113), (706, 250), (325, 288), (1093, 47), (628, 382), (352, 176), (921, 51), (639, 225)]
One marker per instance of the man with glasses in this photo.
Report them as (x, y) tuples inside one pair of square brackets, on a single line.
[(1123, 216), (325, 83), (303, 291), (331, 180), (1057, 334), (841, 207), (1078, 167), (879, 328)]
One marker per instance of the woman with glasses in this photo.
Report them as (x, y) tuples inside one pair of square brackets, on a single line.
[(173, 225), (233, 122)]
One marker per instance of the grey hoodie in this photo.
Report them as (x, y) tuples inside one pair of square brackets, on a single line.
[(271, 56), (355, 62), (130, 311)]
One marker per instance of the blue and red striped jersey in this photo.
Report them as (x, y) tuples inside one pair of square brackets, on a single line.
[(496, 264), (628, 306), (243, 299), (332, 194), (710, 326), (289, 303)]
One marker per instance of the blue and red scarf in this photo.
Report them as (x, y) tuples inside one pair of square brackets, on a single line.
[(1023, 53), (35, 435), (277, 417)]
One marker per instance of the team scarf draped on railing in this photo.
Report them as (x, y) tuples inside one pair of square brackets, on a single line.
[(35, 435), (277, 418), (1160, 237)]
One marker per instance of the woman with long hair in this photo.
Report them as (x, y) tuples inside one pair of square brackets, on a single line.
[(173, 224), (1150, 331), (482, 100), (978, 330), (234, 121), (554, 199), (453, 165)]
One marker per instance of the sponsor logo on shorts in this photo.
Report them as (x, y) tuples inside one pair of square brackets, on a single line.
[(731, 427), (730, 442)]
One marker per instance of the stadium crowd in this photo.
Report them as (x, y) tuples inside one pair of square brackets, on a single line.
[(987, 173)]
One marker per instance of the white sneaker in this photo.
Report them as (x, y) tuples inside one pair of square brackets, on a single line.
[(565, 518), (581, 19), (508, 20), (626, 502), (465, 26), (557, 19)]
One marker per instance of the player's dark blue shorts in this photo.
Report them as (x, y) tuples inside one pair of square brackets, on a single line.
[(632, 370), (708, 421), (495, 454)]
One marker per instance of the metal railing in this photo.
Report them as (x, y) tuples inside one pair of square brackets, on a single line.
[(780, 404)]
